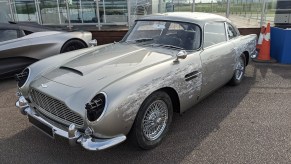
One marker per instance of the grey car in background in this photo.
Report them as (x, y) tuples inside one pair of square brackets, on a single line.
[(166, 63), (22, 45)]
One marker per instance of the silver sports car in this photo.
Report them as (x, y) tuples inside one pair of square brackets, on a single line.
[(166, 63), (22, 45)]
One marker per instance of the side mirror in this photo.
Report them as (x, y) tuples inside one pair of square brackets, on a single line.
[(93, 43), (181, 55)]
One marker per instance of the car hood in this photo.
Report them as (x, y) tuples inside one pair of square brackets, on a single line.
[(108, 64)]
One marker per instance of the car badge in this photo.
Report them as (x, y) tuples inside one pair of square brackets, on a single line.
[(43, 85)]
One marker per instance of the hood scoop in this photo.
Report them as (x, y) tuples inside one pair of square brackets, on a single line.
[(71, 70)]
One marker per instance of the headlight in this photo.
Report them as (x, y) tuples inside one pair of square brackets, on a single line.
[(95, 108), (22, 77)]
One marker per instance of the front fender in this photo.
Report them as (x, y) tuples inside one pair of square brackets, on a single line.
[(125, 96)]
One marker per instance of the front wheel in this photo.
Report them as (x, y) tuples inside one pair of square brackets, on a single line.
[(152, 121), (239, 71)]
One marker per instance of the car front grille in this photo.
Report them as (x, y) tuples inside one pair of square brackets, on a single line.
[(56, 109)]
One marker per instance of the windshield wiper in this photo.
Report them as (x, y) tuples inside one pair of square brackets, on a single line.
[(171, 46), (140, 40), (167, 46)]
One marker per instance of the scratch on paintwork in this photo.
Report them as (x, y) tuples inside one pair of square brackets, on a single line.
[(173, 79), (247, 44)]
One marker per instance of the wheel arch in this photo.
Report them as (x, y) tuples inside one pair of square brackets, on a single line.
[(247, 57), (174, 97), (71, 40)]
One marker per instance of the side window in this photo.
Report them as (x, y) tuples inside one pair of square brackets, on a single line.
[(231, 32), (8, 35), (214, 33), (145, 29)]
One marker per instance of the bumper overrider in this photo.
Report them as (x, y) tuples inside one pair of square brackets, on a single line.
[(72, 133)]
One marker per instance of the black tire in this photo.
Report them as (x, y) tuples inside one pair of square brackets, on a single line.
[(137, 134), (239, 71), (72, 45)]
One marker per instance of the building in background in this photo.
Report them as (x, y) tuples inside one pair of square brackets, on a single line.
[(283, 14), (244, 13)]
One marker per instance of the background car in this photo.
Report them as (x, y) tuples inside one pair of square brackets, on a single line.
[(22, 45), (166, 63)]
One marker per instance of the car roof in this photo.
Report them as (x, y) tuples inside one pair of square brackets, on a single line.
[(192, 17)]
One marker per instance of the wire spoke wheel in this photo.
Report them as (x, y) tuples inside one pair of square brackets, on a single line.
[(155, 120), (239, 71), (152, 120), (240, 67)]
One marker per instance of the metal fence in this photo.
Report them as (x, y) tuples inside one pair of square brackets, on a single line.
[(244, 13)]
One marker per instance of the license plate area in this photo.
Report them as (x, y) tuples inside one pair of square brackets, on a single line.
[(41, 126)]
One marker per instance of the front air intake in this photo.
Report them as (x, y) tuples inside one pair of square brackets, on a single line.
[(55, 109)]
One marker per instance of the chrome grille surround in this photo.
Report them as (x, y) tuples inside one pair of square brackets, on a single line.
[(55, 109)]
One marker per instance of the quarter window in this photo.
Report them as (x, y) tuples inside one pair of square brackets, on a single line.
[(214, 33), (231, 32)]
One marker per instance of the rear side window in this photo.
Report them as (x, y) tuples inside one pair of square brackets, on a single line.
[(214, 33), (8, 35), (231, 32)]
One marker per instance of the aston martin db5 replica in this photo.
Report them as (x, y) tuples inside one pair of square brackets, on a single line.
[(100, 96), (22, 45)]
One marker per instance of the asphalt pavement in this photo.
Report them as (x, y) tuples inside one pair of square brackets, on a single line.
[(250, 123)]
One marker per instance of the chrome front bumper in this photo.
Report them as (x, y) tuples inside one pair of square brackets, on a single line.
[(72, 134)]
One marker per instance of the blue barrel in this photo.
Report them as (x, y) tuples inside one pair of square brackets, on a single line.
[(281, 45)]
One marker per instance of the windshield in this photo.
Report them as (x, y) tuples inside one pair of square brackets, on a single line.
[(167, 34)]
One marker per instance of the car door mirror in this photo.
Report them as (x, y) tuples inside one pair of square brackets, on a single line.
[(181, 55), (93, 43)]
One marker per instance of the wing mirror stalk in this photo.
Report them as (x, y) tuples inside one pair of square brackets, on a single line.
[(181, 55)]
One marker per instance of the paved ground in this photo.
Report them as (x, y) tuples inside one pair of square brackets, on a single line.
[(250, 123)]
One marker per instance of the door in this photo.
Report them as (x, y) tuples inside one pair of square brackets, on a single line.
[(217, 58)]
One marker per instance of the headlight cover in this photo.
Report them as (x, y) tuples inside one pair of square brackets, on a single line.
[(22, 77), (95, 108)]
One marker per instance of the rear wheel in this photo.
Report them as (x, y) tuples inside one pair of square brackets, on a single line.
[(239, 71), (73, 45), (152, 121)]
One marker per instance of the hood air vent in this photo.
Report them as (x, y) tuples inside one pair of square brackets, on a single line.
[(72, 70)]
